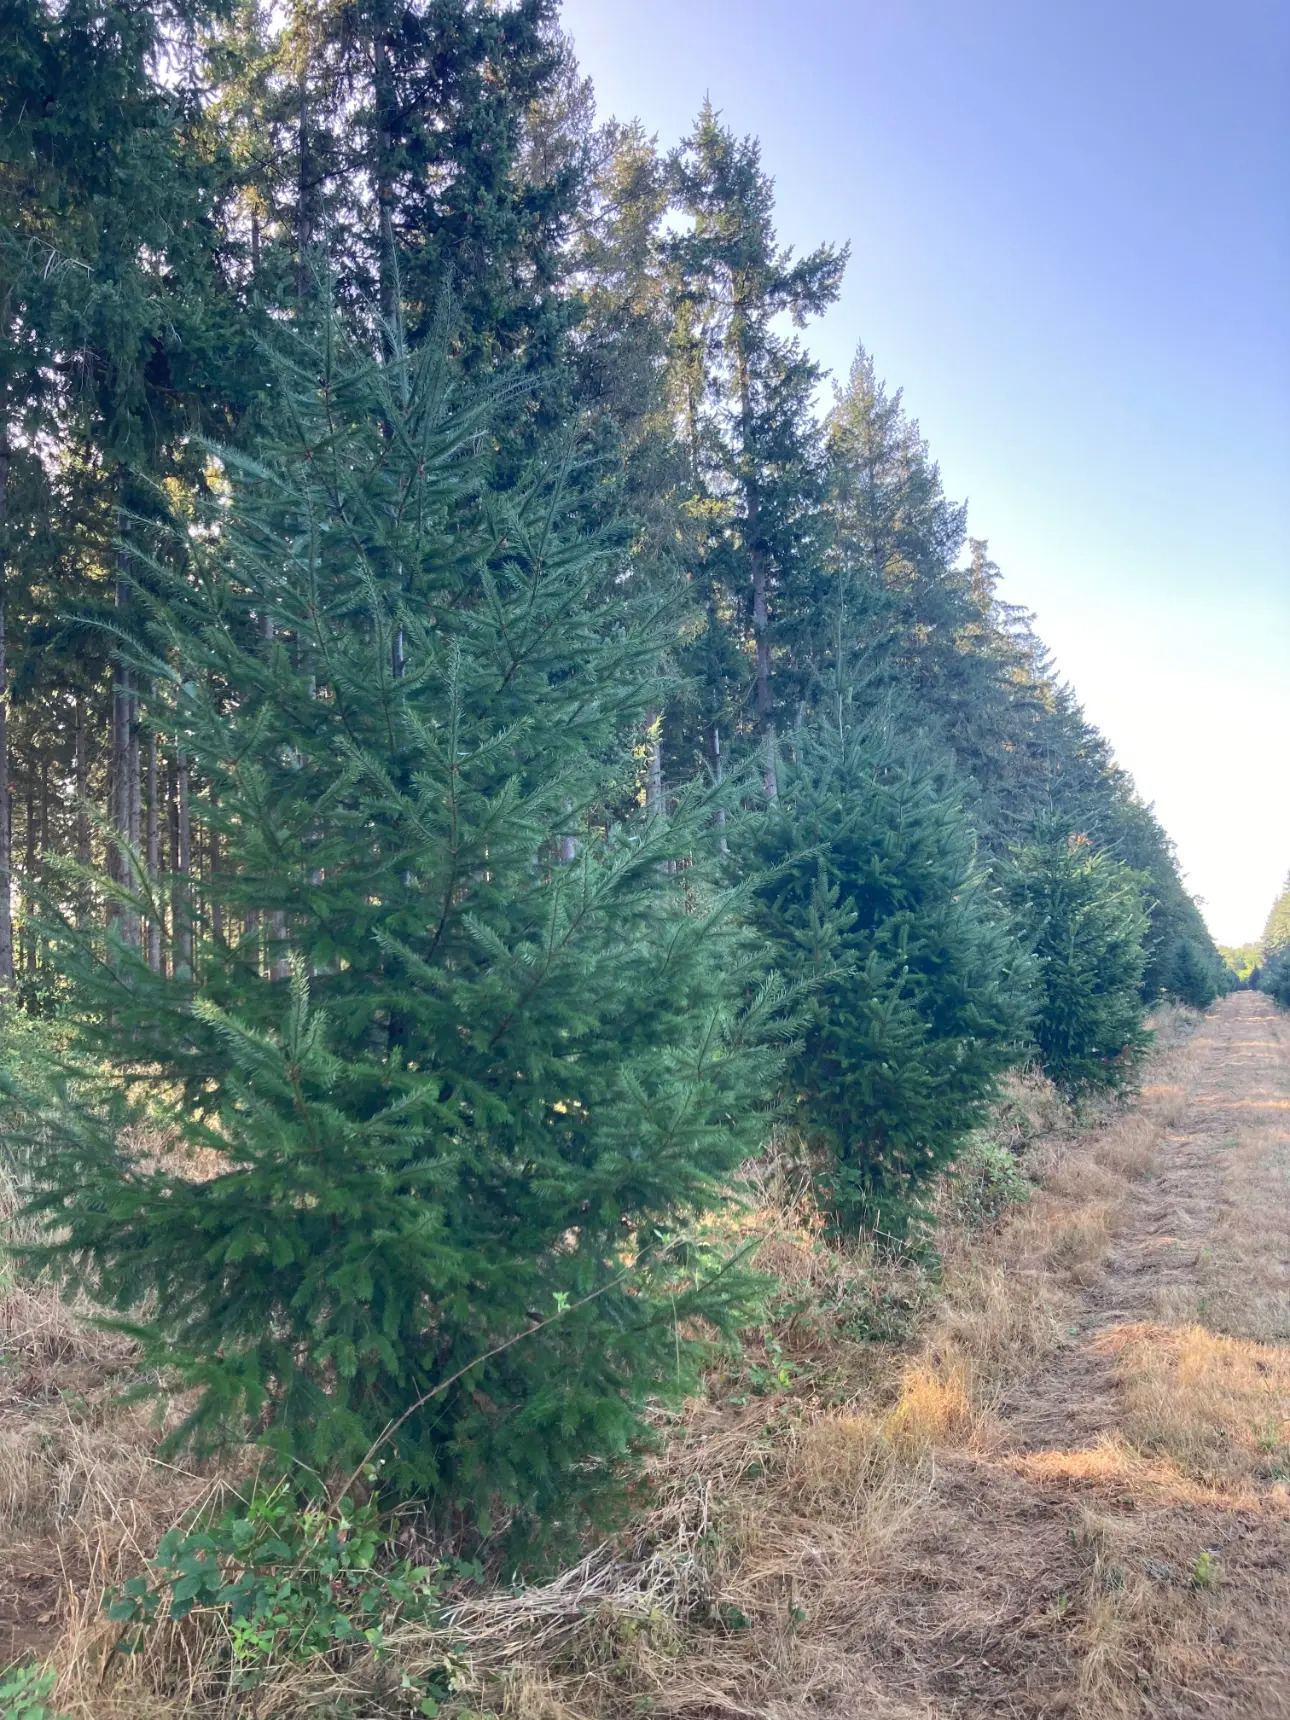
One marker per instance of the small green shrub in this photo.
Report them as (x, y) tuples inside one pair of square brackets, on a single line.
[(1204, 1573), (23, 1693), (983, 1184), (289, 1585)]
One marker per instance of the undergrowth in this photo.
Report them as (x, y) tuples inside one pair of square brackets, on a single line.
[(774, 1503)]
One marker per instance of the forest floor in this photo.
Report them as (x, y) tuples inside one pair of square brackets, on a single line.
[(1056, 1481)]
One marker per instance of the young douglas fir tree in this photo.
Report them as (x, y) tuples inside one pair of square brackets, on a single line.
[(869, 891), (467, 1052), (1084, 916)]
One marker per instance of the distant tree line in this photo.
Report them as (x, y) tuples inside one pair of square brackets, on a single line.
[(1272, 972), (478, 747)]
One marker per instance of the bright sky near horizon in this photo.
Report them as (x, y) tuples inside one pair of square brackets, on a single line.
[(1070, 230)]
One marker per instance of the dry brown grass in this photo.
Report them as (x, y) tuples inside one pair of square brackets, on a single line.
[(1218, 1406), (877, 1535)]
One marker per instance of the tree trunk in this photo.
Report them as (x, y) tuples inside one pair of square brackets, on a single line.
[(568, 846), (153, 857), (133, 814), (29, 929), (757, 563), (123, 794), (306, 187), (6, 811), (82, 808), (654, 765), (184, 920), (217, 907), (719, 817), (384, 105), (276, 919)]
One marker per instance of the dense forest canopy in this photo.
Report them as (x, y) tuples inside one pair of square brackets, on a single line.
[(470, 716)]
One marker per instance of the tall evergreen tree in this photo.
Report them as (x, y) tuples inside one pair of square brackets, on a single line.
[(1274, 967), (1084, 915), (744, 399), (869, 889), (474, 1058)]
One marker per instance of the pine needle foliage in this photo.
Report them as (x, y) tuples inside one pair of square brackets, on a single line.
[(474, 1054), (1086, 920), (870, 894)]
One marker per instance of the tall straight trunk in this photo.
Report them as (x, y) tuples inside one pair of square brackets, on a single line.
[(184, 919), (276, 919), (718, 773), (568, 847), (42, 945), (757, 563), (29, 929), (279, 959), (384, 104), (6, 811), (171, 801), (306, 184), (82, 768), (654, 765), (133, 812), (217, 907), (153, 857), (124, 781)]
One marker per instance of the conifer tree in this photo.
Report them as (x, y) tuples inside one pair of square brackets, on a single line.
[(473, 1055), (1274, 967), (1083, 912), (744, 399), (870, 891)]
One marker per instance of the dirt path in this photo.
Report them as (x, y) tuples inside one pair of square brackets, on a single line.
[(1124, 1546)]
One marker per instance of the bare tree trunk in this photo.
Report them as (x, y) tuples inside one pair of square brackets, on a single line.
[(654, 765), (29, 930), (82, 783), (41, 945), (184, 920), (719, 817), (306, 184), (6, 810), (82, 806), (124, 787), (171, 794), (276, 922), (217, 907), (153, 856), (383, 94), (133, 814), (759, 570)]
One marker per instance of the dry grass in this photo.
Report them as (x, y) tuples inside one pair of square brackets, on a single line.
[(889, 1528), (1218, 1406)]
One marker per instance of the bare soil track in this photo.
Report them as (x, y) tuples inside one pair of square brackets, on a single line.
[(1124, 1546)]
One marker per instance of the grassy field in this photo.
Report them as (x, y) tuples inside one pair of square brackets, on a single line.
[(1045, 1475)]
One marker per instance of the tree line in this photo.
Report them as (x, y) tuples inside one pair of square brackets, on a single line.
[(1270, 965), (480, 748)]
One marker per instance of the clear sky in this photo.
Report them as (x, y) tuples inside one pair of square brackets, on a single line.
[(1070, 228)]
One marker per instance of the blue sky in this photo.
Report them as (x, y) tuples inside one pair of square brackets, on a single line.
[(1070, 229)]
